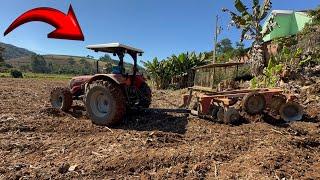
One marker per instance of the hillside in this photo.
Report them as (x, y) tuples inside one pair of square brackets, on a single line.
[(20, 57), (63, 60), (12, 52)]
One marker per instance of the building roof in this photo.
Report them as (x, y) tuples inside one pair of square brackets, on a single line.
[(112, 48), (290, 23)]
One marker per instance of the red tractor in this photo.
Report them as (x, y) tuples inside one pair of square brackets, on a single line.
[(107, 96)]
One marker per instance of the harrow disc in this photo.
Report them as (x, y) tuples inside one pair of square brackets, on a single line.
[(220, 115), (254, 103), (231, 116), (291, 111), (276, 102), (214, 111)]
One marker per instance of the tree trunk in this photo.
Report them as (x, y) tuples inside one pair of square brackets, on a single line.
[(257, 59)]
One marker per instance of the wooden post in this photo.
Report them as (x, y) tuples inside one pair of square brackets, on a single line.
[(189, 99)]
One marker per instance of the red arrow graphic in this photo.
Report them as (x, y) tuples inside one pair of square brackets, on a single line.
[(67, 26)]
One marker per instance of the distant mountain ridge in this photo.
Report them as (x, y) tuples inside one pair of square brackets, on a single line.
[(17, 57), (13, 52)]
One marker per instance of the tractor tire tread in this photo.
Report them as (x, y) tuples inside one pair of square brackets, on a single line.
[(118, 97), (147, 93)]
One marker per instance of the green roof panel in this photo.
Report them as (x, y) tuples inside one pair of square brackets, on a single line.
[(290, 23)]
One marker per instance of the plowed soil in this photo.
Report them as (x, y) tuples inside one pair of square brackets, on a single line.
[(41, 143)]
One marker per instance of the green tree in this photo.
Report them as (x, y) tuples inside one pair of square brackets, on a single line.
[(87, 68), (50, 66), (240, 51), (25, 67), (224, 46), (39, 64), (108, 67), (90, 57), (250, 24), (239, 45), (225, 50), (71, 61), (105, 58), (83, 61)]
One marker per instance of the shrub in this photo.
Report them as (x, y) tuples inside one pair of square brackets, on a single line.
[(9, 66), (39, 64), (16, 73)]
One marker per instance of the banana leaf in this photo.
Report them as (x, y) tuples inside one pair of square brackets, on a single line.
[(241, 7), (265, 8)]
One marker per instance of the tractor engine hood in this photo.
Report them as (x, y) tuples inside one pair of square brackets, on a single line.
[(79, 80)]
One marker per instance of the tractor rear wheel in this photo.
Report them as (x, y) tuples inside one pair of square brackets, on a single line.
[(146, 94), (105, 103), (254, 103), (61, 98)]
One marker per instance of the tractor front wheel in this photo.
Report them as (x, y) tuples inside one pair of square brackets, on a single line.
[(105, 103), (61, 98)]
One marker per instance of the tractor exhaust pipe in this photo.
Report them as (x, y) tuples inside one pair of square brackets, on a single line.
[(291, 111)]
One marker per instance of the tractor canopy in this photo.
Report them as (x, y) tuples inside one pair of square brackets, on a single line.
[(115, 48), (119, 50)]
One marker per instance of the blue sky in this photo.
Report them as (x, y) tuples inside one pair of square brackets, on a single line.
[(159, 27)]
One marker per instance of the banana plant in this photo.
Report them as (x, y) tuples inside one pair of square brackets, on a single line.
[(162, 72), (159, 71), (250, 24)]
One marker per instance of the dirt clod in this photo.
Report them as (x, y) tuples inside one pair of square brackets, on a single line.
[(64, 168)]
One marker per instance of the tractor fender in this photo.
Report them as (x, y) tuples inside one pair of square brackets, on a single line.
[(103, 77)]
